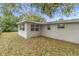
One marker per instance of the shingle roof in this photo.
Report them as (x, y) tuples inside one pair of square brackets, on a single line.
[(53, 22), (64, 21)]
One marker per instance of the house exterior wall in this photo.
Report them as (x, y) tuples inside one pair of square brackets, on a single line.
[(69, 33), (31, 33), (21, 32)]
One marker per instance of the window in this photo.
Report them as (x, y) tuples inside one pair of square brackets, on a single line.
[(22, 27), (48, 27), (37, 27), (61, 25), (34, 27)]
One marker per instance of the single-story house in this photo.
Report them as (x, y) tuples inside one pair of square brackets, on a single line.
[(67, 30)]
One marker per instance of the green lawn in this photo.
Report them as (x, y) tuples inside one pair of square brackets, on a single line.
[(12, 44)]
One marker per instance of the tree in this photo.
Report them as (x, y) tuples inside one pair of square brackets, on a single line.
[(50, 8), (46, 8), (8, 8), (8, 20), (30, 16), (9, 25)]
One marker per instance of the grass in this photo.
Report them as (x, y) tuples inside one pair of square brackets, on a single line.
[(12, 44)]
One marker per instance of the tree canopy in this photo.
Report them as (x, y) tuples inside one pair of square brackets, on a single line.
[(7, 9), (46, 8), (30, 16), (8, 20), (9, 23), (50, 8)]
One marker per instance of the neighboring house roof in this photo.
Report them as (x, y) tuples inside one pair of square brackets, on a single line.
[(53, 22)]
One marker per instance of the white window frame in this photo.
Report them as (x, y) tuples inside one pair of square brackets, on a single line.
[(34, 27)]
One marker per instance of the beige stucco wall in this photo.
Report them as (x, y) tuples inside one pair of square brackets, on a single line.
[(21, 32), (69, 33)]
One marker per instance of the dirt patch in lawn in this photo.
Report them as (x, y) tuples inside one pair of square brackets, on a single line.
[(12, 44)]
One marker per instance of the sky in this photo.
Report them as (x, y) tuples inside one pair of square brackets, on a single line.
[(57, 15)]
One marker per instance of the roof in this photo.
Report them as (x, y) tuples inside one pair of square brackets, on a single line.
[(53, 22), (64, 21), (25, 21)]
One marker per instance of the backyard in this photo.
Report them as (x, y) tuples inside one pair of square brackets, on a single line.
[(12, 44)]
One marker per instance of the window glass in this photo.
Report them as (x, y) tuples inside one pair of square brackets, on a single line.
[(61, 25), (48, 27), (37, 29), (22, 26), (34, 27), (37, 25)]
